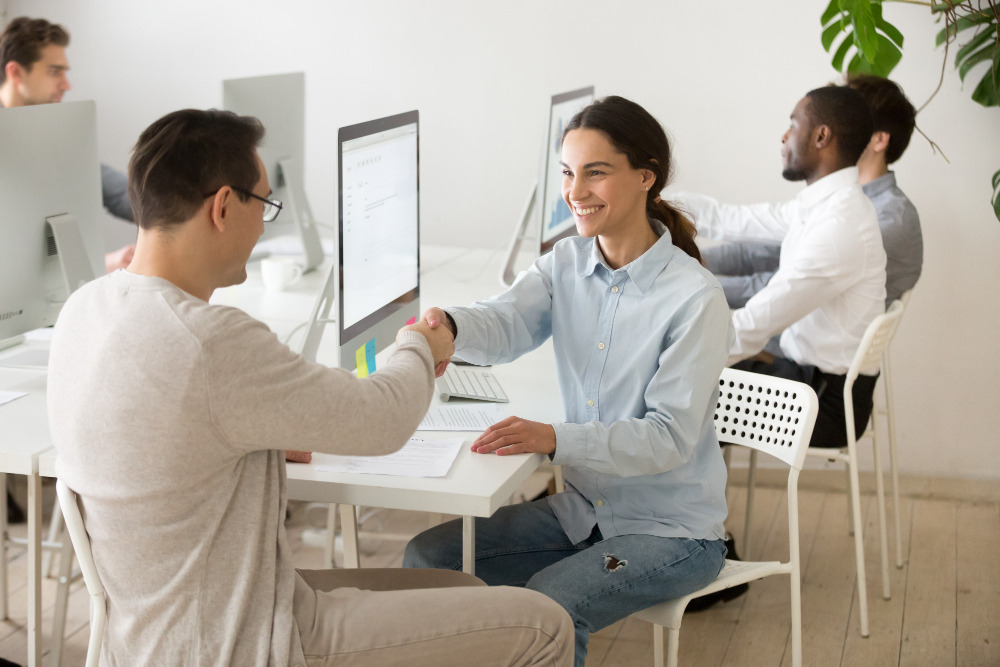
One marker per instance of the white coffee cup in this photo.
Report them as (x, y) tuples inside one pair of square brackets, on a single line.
[(279, 274)]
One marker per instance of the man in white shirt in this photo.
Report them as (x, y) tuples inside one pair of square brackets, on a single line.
[(830, 283)]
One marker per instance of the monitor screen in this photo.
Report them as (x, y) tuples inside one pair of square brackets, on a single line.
[(278, 101), (557, 221), (51, 238), (379, 231)]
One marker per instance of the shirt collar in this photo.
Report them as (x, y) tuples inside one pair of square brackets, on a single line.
[(643, 270), (826, 186), (880, 184)]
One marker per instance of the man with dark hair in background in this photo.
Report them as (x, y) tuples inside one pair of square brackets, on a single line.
[(33, 69), (744, 268)]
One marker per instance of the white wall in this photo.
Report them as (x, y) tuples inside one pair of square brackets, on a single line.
[(721, 76)]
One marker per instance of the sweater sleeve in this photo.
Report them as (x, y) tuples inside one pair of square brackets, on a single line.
[(264, 396)]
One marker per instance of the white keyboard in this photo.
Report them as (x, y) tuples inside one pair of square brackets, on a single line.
[(469, 382)]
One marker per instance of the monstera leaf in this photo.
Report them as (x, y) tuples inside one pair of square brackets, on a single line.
[(873, 42), (981, 48)]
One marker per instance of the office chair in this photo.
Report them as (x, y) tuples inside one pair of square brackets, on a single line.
[(81, 544), (869, 355), (771, 415)]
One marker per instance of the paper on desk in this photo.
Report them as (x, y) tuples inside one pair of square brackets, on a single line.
[(461, 417), (8, 396), (419, 457)]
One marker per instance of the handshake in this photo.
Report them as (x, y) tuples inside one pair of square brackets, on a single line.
[(435, 327)]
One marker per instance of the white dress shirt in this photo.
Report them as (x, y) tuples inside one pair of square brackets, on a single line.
[(830, 283)]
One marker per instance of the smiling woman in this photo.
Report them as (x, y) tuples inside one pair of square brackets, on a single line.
[(641, 331)]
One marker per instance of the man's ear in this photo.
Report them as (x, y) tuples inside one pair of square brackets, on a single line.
[(822, 136), (220, 209), (14, 71), (879, 141)]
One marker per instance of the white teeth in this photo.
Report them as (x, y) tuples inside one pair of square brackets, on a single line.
[(587, 211)]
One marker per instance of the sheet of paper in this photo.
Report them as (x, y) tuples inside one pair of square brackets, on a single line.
[(8, 396), (419, 457), (477, 417)]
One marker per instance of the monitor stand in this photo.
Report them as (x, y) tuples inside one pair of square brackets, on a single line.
[(507, 273), (320, 315), (71, 251), (298, 206)]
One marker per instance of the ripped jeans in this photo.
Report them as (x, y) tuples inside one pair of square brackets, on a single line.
[(597, 581)]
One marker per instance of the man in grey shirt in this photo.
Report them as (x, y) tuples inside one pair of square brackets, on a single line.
[(176, 448), (743, 269)]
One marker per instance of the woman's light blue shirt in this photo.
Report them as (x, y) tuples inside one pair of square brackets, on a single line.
[(639, 351)]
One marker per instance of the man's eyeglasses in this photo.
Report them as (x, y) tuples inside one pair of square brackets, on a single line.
[(272, 207)]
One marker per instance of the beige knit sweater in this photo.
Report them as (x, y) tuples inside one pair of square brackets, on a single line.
[(170, 416)]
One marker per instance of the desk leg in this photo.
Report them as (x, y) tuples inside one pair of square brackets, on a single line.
[(34, 570), (349, 531), (469, 544)]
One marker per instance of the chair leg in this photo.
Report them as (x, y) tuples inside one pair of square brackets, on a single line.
[(883, 530), (55, 527), (3, 546), (859, 552), (331, 535), (893, 470), (751, 485), (349, 531), (62, 598), (850, 515), (657, 645), (673, 641)]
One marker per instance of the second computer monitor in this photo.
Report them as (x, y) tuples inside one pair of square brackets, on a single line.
[(557, 220), (278, 101), (379, 260)]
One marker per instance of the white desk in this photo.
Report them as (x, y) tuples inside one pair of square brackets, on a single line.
[(24, 435)]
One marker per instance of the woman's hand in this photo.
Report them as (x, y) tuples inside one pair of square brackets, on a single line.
[(516, 436)]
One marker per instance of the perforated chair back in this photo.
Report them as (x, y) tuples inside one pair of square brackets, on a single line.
[(769, 414), (70, 507)]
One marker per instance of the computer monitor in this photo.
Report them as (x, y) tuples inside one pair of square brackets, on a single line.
[(545, 208), (51, 240), (279, 101), (378, 265)]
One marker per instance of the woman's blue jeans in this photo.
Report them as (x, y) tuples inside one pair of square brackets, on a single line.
[(597, 581)]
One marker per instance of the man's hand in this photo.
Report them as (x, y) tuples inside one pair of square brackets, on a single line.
[(516, 436), (298, 457), (119, 259), (435, 316), (441, 341)]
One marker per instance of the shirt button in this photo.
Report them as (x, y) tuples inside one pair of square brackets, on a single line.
[(600, 503), (615, 289), (600, 346), (590, 403)]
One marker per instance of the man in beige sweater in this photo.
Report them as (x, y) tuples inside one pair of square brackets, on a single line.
[(170, 416)]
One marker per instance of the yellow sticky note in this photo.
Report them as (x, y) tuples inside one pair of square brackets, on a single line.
[(362, 360)]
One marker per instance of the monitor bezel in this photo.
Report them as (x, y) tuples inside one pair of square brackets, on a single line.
[(544, 245), (352, 133)]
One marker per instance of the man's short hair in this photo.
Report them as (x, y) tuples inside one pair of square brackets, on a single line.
[(23, 39), (186, 156), (845, 112), (891, 111)]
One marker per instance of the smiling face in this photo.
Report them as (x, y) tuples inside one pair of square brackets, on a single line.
[(605, 193), (798, 155), (46, 81)]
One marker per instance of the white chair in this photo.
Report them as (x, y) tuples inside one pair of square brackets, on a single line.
[(766, 414), (868, 357), (886, 411), (81, 544)]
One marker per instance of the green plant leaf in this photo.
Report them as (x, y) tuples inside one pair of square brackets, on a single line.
[(830, 33), (960, 24), (996, 194), (838, 57), (889, 57), (832, 9), (984, 54), (974, 44), (986, 92)]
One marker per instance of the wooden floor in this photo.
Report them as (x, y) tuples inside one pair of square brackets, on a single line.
[(945, 606)]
